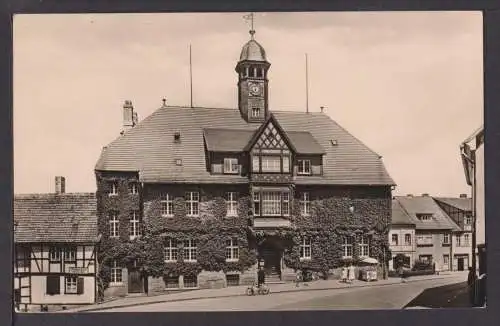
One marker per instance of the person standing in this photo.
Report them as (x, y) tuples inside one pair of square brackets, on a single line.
[(298, 278), (343, 275), (471, 280), (261, 277), (351, 273)]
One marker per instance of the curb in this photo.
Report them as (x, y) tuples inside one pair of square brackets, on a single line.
[(243, 294)]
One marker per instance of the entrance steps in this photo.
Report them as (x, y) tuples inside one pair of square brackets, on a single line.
[(273, 279)]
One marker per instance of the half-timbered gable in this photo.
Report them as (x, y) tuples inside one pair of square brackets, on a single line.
[(55, 259)]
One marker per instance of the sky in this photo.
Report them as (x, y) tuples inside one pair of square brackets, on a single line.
[(409, 85)]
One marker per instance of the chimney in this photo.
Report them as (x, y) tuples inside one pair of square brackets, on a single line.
[(425, 195), (60, 185), (128, 115), (463, 195), (322, 108)]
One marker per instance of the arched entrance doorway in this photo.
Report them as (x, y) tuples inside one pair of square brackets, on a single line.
[(270, 255)]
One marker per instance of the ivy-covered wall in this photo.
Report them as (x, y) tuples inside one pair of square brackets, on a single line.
[(334, 212)]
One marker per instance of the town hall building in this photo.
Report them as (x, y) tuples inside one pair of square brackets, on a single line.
[(194, 197)]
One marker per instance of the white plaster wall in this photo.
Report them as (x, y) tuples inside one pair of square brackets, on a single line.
[(39, 295)]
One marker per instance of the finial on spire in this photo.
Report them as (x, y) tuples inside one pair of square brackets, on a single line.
[(250, 17)]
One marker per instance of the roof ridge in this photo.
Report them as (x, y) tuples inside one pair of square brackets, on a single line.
[(40, 194)]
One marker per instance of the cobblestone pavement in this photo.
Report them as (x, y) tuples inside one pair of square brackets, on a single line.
[(239, 291)]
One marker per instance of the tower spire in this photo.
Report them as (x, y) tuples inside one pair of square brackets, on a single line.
[(250, 18)]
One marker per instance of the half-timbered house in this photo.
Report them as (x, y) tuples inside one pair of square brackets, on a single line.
[(226, 189), (54, 256)]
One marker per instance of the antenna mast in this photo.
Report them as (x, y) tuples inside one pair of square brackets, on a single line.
[(190, 75), (307, 87)]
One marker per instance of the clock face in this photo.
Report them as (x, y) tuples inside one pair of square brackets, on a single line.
[(254, 89)]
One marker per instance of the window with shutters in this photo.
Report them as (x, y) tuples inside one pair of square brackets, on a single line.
[(53, 285), (70, 284)]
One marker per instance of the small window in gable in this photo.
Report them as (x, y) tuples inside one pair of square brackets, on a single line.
[(231, 165), (177, 137), (178, 162)]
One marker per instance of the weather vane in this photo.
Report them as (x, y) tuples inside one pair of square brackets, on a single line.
[(250, 17)]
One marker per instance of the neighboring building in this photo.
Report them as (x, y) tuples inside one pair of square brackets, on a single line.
[(472, 152), (434, 230), (402, 236), (460, 211), (212, 192), (54, 256)]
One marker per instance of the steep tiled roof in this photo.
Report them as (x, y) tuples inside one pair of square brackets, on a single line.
[(426, 205), (149, 148), (464, 204), (399, 215), (55, 217), (227, 140)]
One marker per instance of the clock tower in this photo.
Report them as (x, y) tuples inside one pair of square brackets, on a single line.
[(252, 81)]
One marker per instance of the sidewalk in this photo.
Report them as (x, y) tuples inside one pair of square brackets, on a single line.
[(235, 291)]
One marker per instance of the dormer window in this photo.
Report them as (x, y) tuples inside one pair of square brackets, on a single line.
[(424, 217), (177, 137), (178, 162), (304, 167), (255, 112), (231, 165)]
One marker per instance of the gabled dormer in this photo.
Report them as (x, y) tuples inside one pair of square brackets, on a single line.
[(270, 151)]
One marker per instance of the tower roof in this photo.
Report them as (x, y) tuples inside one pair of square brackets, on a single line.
[(253, 51)]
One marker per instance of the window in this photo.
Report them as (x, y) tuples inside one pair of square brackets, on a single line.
[(271, 163), (178, 162), (394, 240), (53, 285), (468, 219), (189, 251), (171, 250), (54, 254), (286, 164), (424, 217), (190, 281), (133, 188), (256, 203), (446, 260), (364, 247), (23, 257), (232, 203), (255, 163), (231, 165), (113, 225), (285, 204), (172, 282), (70, 254), (304, 167), (459, 241), (167, 205), (232, 250), (255, 112), (70, 284), (347, 247), (271, 203), (424, 239), (233, 279), (305, 249), (192, 203), (116, 274), (113, 189), (134, 226), (466, 240), (408, 239), (305, 204), (446, 239)]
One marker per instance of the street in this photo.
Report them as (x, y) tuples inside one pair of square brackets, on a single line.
[(394, 296)]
